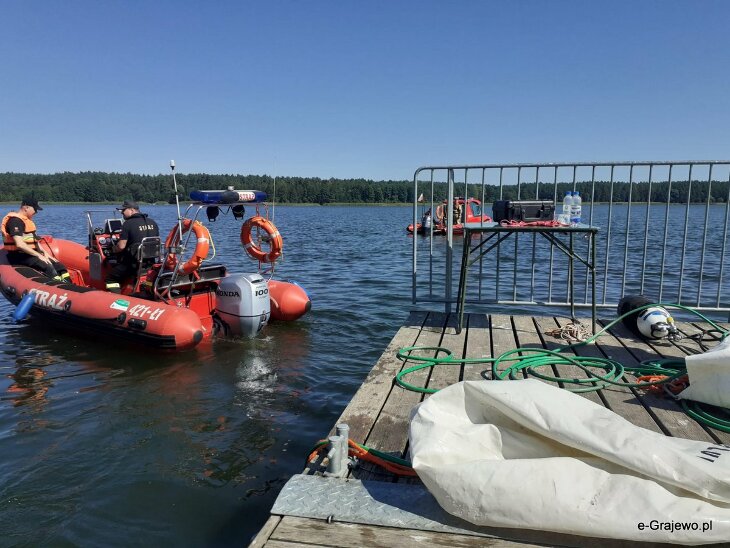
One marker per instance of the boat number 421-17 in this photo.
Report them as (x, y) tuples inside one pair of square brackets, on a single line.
[(144, 311)]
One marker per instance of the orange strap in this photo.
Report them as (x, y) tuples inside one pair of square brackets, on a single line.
[(356, 450), (531, 223), (675, 386)]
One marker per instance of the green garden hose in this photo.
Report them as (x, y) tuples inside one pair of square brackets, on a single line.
[(601, 372)]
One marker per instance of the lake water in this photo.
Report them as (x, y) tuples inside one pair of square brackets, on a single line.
[(107, 446), (102, 445), (630, 251)]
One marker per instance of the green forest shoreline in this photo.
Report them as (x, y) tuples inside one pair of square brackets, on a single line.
[(186, 202), (110, 188)]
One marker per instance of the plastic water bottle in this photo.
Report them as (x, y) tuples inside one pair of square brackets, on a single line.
[(575, 210), (567, 208)]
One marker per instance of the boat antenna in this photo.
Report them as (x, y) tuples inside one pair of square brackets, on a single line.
[(177, 201)]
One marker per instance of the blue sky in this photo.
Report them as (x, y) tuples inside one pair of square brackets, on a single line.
[(354, 89)]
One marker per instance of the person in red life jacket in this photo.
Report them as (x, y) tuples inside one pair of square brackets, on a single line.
[(21, 242), (136, 227)]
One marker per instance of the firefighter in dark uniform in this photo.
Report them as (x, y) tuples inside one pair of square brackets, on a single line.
[(21, 242), (136, 227)]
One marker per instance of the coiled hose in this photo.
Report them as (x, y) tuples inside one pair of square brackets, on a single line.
[(600, 372)]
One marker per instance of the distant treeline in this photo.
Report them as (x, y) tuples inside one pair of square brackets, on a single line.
[(112, 187)]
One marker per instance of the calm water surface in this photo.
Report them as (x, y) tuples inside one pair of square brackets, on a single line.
[(105, 445)]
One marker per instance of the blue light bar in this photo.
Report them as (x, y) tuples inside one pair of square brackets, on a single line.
[(226, 197)]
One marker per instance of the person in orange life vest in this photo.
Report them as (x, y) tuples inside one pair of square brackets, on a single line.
[(21, 242), (136, 226)]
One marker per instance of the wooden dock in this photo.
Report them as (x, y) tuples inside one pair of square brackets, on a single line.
[(378, 417)]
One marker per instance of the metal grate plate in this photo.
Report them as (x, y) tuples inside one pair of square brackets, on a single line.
[(403, 505)]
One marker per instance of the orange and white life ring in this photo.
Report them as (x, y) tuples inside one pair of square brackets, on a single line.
[(274, 239), (201, 247)]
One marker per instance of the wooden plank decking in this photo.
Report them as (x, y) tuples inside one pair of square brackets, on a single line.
[(378, 417)]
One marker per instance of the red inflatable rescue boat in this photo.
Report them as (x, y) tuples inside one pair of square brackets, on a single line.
[(467, 210), (172, 303)]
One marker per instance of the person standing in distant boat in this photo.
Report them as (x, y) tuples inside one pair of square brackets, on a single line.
[(426, 220), (136, 227), (457, 212), (21, 242)]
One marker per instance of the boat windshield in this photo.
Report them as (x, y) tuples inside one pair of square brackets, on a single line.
[(476, 209)]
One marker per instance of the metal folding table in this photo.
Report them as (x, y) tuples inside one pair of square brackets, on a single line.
[(553, 234)]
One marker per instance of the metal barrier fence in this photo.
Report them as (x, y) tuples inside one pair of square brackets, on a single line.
[(662, 233)]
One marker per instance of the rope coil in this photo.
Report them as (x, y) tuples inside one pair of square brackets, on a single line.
[(571, 332)]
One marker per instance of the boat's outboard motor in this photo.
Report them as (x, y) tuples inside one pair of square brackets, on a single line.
[(652, 323), (243, 304)]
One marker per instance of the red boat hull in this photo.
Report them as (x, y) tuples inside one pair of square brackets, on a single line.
[(95, 312), (84, 306), (437, 229), (288, 301)]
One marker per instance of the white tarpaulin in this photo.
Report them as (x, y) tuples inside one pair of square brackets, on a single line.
[(709, 376), (529, 455)]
